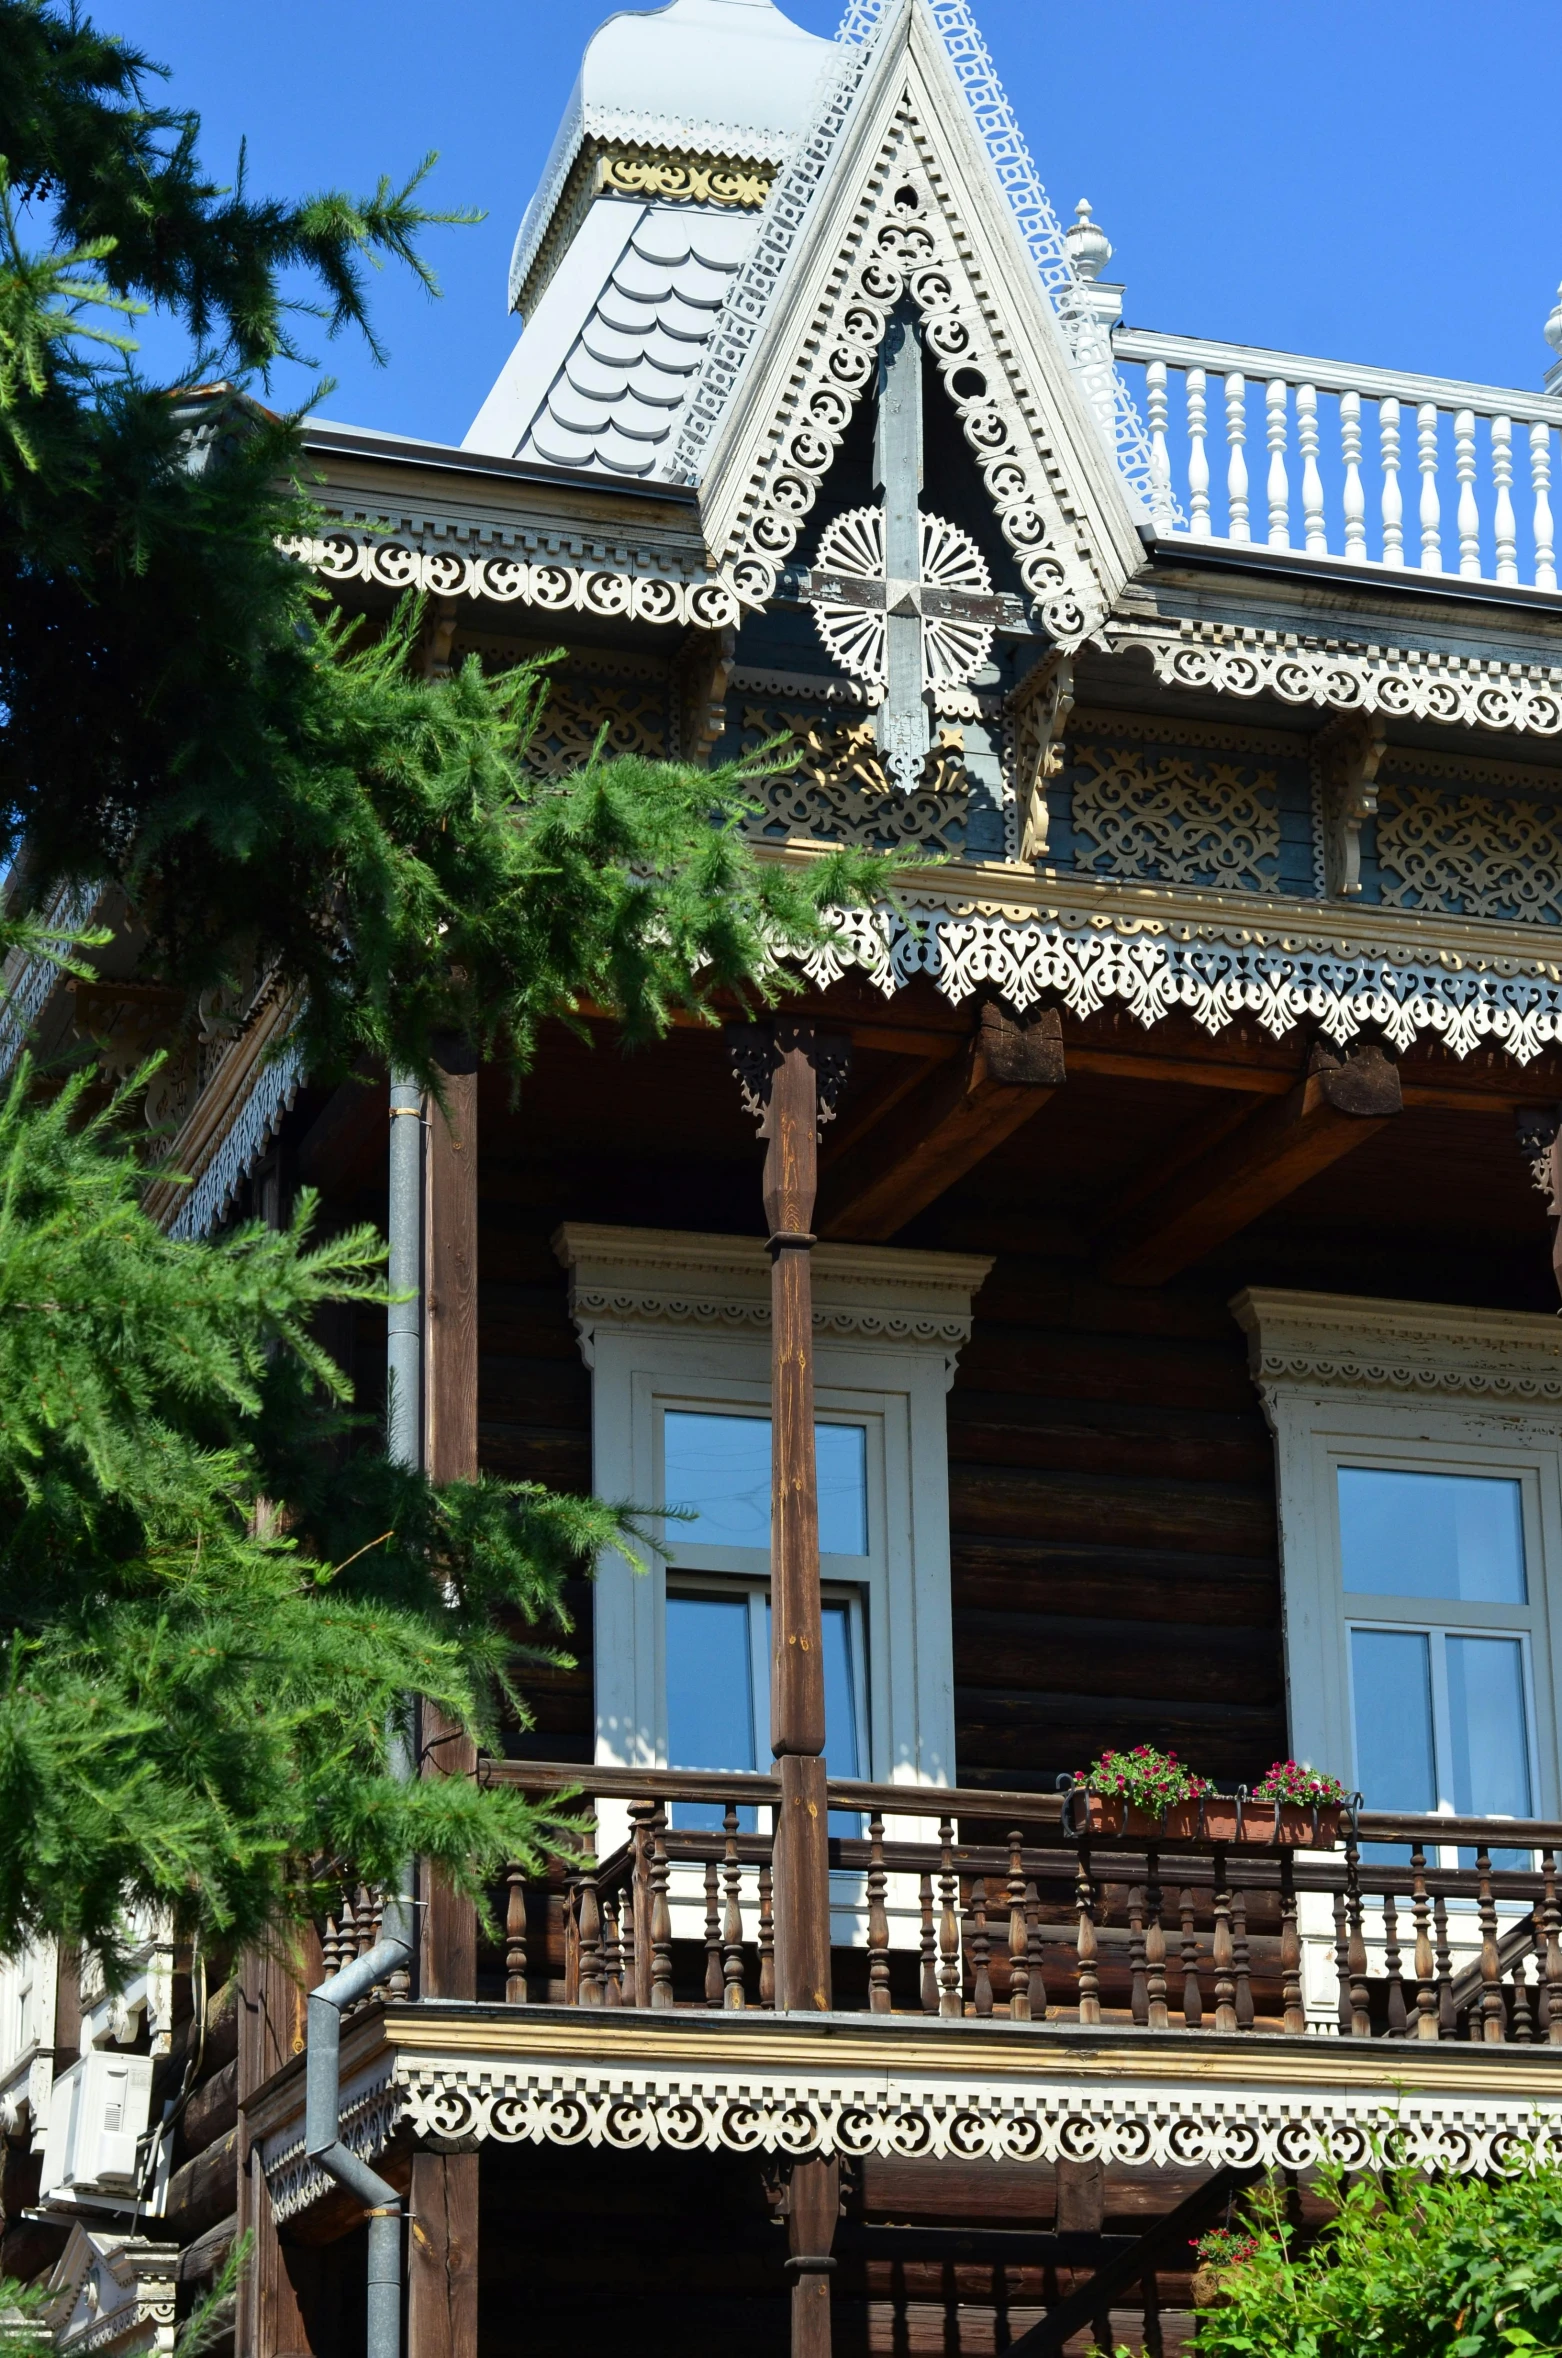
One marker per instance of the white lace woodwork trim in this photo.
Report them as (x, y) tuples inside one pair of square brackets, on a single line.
[(853, 544), (450, 2101), (368, 2118), (29, 982), (895, 251), (249, 1131), (813, 687), (1217, 969), (1176, 820), (554, 584), (1478, 856), (1343, 677)]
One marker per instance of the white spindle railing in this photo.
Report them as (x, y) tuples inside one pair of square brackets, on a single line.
[(1339, 491)]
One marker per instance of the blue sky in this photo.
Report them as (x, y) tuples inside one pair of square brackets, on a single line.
[(1370, 180)]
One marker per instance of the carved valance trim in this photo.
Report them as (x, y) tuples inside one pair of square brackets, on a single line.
[(626, 1277), (1336, 1343)]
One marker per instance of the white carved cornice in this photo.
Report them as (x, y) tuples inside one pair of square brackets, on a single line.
[(1333, 1343), (533, 570), (635, 1277), (1343, 675), (1288, 2104)]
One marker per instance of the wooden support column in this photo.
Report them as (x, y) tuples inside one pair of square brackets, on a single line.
[(1343, 1101), (442, 2249), (1164, 2243), (791, 1077), (945, 1126)]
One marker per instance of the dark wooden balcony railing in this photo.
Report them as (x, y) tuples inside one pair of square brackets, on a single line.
[(1021, 1919)]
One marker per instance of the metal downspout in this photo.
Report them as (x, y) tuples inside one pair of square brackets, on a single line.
[(393, 1950)]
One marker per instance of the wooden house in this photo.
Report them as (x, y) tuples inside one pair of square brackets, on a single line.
[(1139, 1301)]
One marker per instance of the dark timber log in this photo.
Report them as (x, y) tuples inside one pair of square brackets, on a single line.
[(442, 2247), (945, 1126), (1276, 1151)]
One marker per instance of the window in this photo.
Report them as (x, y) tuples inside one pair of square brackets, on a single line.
[(1419, 1472), (675, 1329), (1440, 1701)]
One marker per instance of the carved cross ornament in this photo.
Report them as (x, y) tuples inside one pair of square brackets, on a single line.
[(902, 599)]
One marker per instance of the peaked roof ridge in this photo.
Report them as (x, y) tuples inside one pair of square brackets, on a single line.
[(863, 26)]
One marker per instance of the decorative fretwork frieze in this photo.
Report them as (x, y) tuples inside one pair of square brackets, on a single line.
[(1175, 820), (840, 792), (1197, 2123), (1220, 967), (574, 716), (670, 179), (1476, 855), (613, 589), (1341, 676)]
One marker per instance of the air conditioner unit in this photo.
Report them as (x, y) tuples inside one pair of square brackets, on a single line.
[(97, 2114)]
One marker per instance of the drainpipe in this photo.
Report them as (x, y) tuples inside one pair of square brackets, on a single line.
[(322, 2123), (393, 1950)]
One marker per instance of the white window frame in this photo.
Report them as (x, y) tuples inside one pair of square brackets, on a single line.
[(1408, 1387), (668, 1319)]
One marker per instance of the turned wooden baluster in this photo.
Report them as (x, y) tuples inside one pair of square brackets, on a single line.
[(1342, 1963), (1447, 2021), (515, 1935), (1493, 2028), (1138, 1968), (1521, 2023), (1391, 1965), (767, 1938), (1019, 1933), (1192, 1995), (1356, 1947), (1221, 1957), (1089, 1979), (588, 1935), (715, 1985), (981, 1950), (1155, 1943), (1426, 1994), (878, 1920), (639, 1912), (1038, 1985), (1551, 1986), (612, 1954), (1239, 1959), (1293, 2012), (928, 1989), (661, 1915), (732, 1992), (949, 1991), (330, 1949)]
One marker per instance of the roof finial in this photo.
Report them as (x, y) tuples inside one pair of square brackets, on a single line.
[(1089, 247), (1554, 339)]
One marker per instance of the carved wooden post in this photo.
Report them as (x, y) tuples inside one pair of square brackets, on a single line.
[(791, 1078)]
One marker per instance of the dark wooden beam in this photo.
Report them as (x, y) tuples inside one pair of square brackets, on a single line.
[(443, 2211), (1338, 1107), (944, 1127), (1168, 2236)]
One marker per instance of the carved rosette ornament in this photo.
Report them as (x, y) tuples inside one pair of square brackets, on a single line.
[(953, 649)]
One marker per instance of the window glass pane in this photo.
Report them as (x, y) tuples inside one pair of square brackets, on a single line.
[(842, 1454), (720, 1466), (1431, 1535), (710, 1711), (1490, 1765), (840, 1694), (1392, 1674)]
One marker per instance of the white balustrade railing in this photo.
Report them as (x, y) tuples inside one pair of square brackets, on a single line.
[(1338, 481)]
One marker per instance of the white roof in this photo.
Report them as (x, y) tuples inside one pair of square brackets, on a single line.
[(601, 373)]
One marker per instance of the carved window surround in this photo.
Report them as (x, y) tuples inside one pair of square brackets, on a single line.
[(668, 1318), (1412, 1386)]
